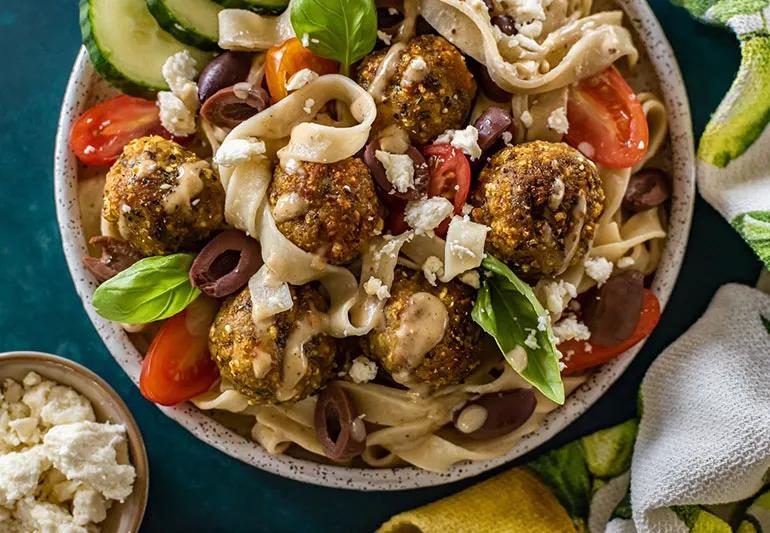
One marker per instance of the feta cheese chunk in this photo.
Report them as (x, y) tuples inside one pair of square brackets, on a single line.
[(464, 246), (598, 268), (174, 114), (179, 73), (233, 152), (426, 214), (362, 370), (568, 328), (19, 474), (300, 79), (89, 452), (466, 140), (557, 120), (433, 268), (399, 169), (88, 506), (375, 287)]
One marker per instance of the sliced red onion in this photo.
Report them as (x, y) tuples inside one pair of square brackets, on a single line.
[(491, 124)]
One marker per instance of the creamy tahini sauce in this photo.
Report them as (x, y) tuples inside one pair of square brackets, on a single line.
[(295, 362), (188, 185), (423, 324), (471, 418), (385, 71), (288, 206), (572, 239), (358, 430), (262, 363), (408, 26), (518, 358)]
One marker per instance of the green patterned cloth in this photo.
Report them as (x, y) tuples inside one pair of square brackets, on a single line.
[(734, 151)]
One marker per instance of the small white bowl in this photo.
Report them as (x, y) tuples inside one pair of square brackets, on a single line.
[(123, 517), (85, 88)]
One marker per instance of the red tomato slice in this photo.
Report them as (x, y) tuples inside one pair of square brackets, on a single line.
[(99, 135), (450, 177), (284, 60), (606, 121), (578, 358), (178, 365)]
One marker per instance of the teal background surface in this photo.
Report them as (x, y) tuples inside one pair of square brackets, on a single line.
[(194, 487)]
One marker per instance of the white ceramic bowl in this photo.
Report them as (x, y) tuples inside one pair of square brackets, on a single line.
[(85, 88), (123, 517)]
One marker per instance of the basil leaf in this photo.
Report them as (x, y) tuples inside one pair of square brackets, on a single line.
[(507, 309), (343, 30), (151, 289)]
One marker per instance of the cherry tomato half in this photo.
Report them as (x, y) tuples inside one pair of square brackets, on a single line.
[(99, 135), (606, 121), (178, 365), (578, 358), (450, 177), (284, 60)]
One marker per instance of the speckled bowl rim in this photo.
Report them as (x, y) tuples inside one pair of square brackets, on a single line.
[(134, 435), (664, 64)]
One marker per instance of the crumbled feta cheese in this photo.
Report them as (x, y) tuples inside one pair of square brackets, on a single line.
[(308, 106), (375, 287), (362, 370), (641, 145), (465, 246), (384, 37), (568, 328), (293, 166), (526, 119), (531, 340), (555, 295), (625, 262), (466, 140), (557, 120), (415, 71), (524, 10), (36, 494), (392, 11), (233, 152), (433, 268), (542, 322), (174, 114), (89, 149), (507, 138), (300, 79), (471, 278), (178, 70), (399, 169), (466, 210), (426, 214), (598, 269)]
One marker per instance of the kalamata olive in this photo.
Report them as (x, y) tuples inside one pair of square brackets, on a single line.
[(490, 88), (339, 429), (491, 124), (223, 71), (117, 255), (612, 311), (496, 413), (381, 179), (225, 264), (647, 188), (505, 23), (389, 15), (230, 106)]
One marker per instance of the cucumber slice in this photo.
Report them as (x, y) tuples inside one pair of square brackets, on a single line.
[(127, 46), (193, 22), (608, 452), (268, 7)]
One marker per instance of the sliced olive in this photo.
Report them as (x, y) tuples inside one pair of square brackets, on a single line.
[(497, 413), (380, 177), (230, 106), (117, 255), (491, 124), (225, 264), (505, 23), (647, 188), (612, 311), (339, 429), (223, 71)]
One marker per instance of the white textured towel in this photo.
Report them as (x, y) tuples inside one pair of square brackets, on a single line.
[(704, 435)]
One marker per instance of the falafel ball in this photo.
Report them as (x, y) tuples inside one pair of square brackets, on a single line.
[(542, 201), (430, 91), (330, 209), (260, 362), (162, 198), (427, 335)]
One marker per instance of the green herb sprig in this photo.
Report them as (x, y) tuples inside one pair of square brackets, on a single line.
[(151, 289), (507, 309)]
